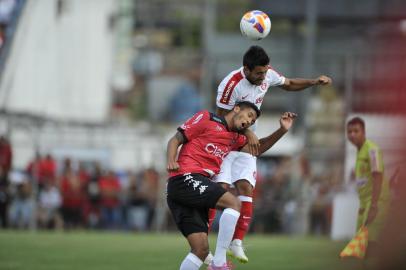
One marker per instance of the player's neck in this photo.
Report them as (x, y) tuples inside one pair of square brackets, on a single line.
[(229, 120), (359, 146)]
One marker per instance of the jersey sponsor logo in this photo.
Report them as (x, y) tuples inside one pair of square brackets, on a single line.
[(244, 97), (228, 90), (215, 150)]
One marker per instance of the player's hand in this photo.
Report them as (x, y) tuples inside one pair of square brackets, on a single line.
[(286, 120), (253, 143), (323, 80), (172, 166), (373, 211)]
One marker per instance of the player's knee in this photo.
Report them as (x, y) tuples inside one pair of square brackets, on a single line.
[(244, 188), (201, 251), (224, 185), (236, 204), (228, 200)]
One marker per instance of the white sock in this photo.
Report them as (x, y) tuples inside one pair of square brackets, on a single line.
[(227, 224), (191, 262)]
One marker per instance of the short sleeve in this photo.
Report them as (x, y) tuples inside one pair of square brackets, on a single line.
[(274, 78), (240, 142), (227, 92), (195, 125), (375, 159)]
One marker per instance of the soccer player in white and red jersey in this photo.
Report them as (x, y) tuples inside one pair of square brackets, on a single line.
[(249, 83), (207, 139)]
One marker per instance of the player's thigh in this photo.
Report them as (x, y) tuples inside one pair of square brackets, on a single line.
[(189, 220), (244, 187), (244, 168), (194, 190)]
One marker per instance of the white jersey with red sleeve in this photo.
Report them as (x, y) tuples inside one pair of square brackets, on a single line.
[(236, 88), (207, 142), (233, 89)]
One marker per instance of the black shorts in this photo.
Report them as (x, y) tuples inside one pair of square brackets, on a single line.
[(189, 197)]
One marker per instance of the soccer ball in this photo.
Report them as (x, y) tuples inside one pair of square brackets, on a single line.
[(255, 25)]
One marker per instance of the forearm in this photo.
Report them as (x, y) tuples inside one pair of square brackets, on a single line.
[(268, 142), (376, 187), (172, 149), (299, 84), (249, 133)]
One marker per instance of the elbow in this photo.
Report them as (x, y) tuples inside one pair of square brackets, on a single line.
[(288, 86)]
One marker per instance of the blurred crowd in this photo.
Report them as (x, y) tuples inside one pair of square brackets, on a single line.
[(77, 195), (291, 199), (69, 194)]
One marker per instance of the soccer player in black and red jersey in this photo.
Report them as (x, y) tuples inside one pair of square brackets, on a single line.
[(207, 139)]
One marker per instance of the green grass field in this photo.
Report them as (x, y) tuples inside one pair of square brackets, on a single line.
[(131, 251)]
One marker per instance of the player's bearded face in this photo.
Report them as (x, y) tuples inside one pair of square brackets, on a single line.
[(355, 134), (244, 119), (257, 75)]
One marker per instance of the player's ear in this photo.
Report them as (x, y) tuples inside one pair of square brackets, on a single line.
[(237, 109)]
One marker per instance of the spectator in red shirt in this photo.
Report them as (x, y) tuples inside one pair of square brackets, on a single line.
[(72, 197), (109, 187), (47, 169), (33, 168)]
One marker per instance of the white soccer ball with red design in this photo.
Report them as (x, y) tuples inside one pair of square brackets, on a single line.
[(255, 24)]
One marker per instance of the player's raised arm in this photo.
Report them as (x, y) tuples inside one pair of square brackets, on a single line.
[(286, 122), (172, 151), (298, 84)]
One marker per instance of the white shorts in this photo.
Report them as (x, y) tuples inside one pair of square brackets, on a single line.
[(237, 166)]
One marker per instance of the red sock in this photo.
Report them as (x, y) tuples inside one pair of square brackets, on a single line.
[(245, 218), (212, 216)]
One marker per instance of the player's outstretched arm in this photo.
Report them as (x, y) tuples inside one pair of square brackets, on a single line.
[(286, 122), (172, 151), (299, 84)]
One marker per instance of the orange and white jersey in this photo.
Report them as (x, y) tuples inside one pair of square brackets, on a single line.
[(236, 88)]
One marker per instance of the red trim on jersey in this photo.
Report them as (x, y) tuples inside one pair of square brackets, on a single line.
[(270, 67), (231, 84)]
